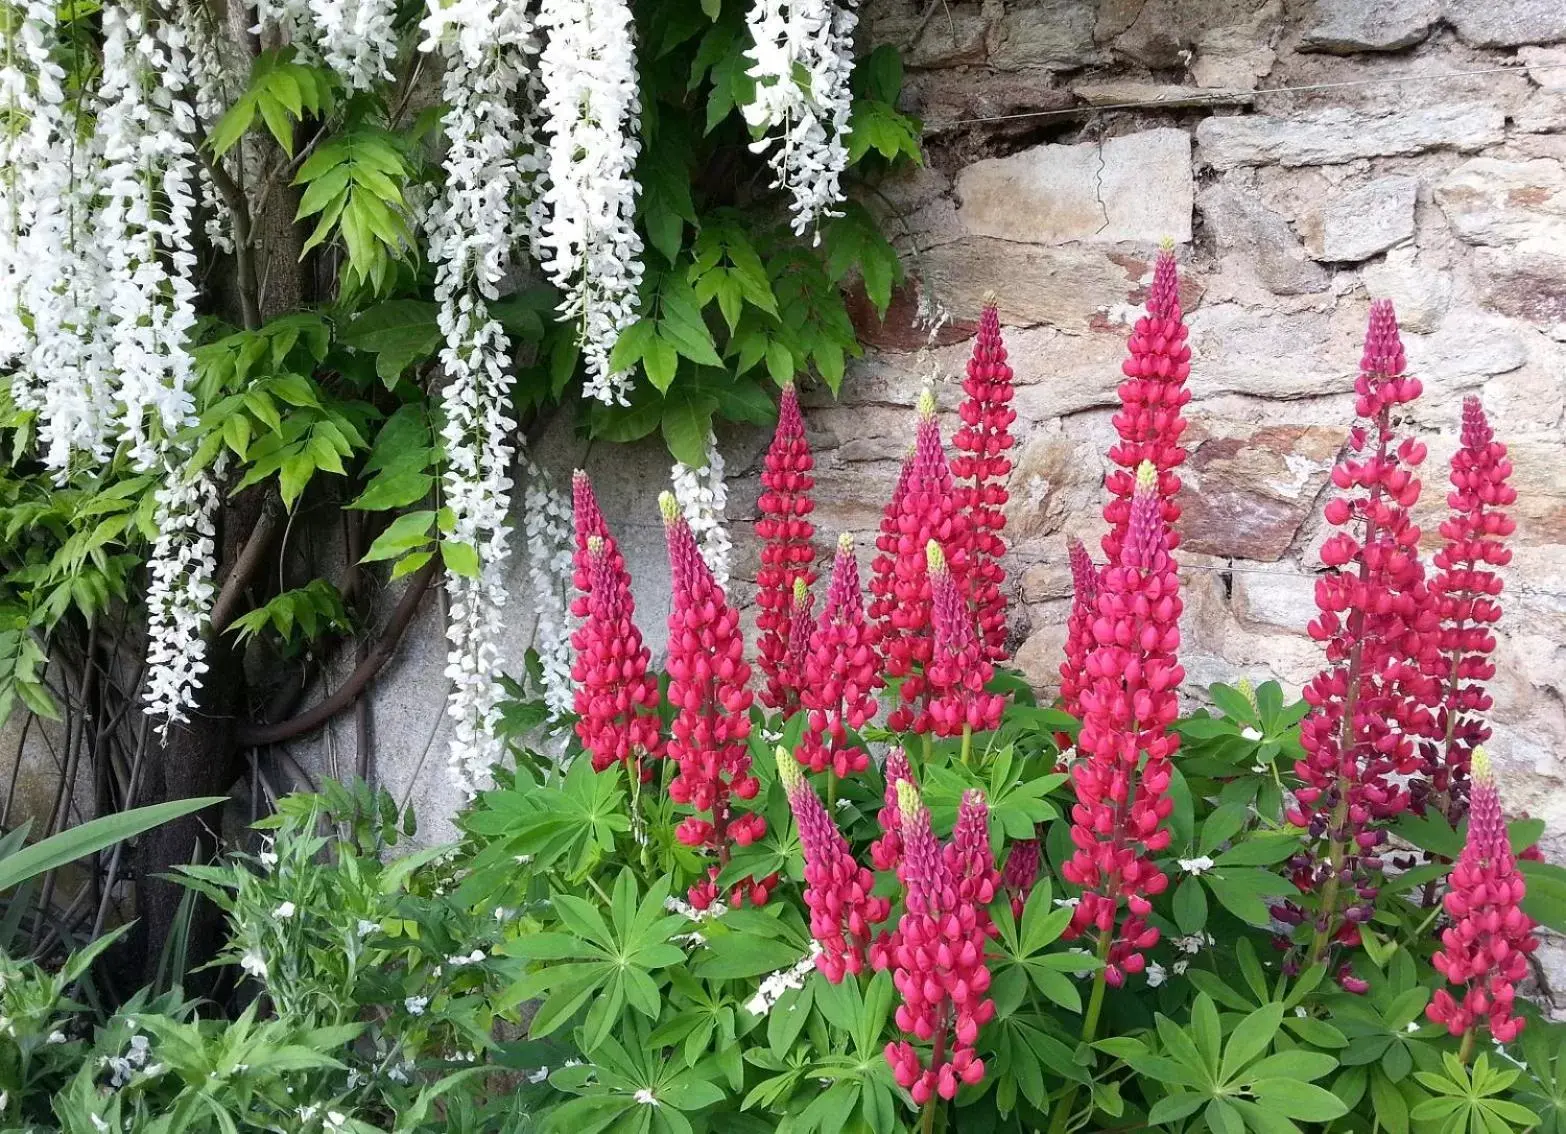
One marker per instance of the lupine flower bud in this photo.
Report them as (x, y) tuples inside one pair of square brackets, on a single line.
[(1485, 950), (1079, 632), (1381, 632), (791, 674), (837, 889), (842, 672), (708, 687), (981, 467), (616, 699), (958, 670), (1467, 590), (1020, 873), (784, 531), (927, 509), (588, 521), (937, 953), (1152, 397), (886, 853), (1120, 820)]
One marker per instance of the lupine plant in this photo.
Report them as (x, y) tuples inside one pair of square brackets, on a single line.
[(897, 893)]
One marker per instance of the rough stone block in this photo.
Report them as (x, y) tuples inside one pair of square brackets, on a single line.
[(1332, 137), (1368, 220), (1068, 287), (1261, 239), (1346, 26), (1495, 202), (1420, 292), (1507, 23), (1137, 187)]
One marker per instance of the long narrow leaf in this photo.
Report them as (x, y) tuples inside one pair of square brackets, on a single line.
[(94, 835)]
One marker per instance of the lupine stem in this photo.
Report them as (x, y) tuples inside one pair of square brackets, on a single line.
[(1470, 1041), (967, 744), (1062, 1116)]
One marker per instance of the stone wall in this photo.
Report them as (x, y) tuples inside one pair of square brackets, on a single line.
[(1377, 174)]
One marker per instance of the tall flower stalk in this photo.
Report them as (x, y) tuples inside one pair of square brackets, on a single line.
[(615, 698), (1079, 632), (1484, 953), (1380, 631), (1466, 589), (841, 675), (959, 669), (1150, 421), (1120, 819), (983, 443), (785, 532)]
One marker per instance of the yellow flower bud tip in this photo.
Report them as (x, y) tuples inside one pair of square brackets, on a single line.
[(578, 476), (1479, 766), (595, 545), (789, 774), (990, 298), (908, 801), (1167, 244), (801, 592), (927, 403), (935, 558), (845, 542), (1146, 477), (669, 506)]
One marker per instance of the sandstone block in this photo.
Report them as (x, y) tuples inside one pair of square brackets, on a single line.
[(1332, 137), (1497, 202), (1134, 188), (1266, 354), (1507, 23), (1346, 26), (1420, 292), (1261, 239), (1365, 221), (1064, 287)]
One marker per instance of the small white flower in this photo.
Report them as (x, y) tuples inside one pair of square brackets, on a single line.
[(99, 1124), (366, 927), (267, 858), (1250, 733), (472, 958), (336, 1122), (284, 911), (523, 859), (1194, 943), (1067, 903), (645, 1097), (1199, 865), (415, 1005), (538, 1076), (55, 1037), (1156, 975), (306, 1113), (1179, 967), (253, 963), (691, 940), (1411, 1026)]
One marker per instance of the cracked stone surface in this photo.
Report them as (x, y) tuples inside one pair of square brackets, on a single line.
[(1135, 188)]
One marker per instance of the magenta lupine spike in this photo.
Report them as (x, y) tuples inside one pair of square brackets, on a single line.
[(1154, 393), (969, 857), (1120, 820), (843, 910), (588, 522), (1381, 633), (791, 673), (981, 466), (708, 687), (882, 600), (958, 669), (1484, 952), (784, 531), (1467, 590), (1020, 873), (616, 699), (886, 853), (937, 962), (1079, 632), (842, 673)]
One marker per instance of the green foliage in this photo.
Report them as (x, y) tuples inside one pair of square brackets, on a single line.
[(89, 837)]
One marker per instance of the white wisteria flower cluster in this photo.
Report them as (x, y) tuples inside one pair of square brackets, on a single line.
[(215, 82), (802, 58), (485, 46), (179, 596), (355, 38), (703, 496), (549, 537), (589, 245)]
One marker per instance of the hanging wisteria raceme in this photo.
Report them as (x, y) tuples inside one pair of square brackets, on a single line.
[(592, 107), (145, 124), (802, 58), (215, 85), (546, 523), (355, 38), (703, 495), (484, 45), (30, 101), (1467, 591), (180, 592)]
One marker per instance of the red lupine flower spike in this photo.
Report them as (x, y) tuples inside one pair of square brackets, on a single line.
[(841, 673), (843, 910), (1079, 632), (784, 531), (1020, 873), (929, 510), (1120, 820), (1467, 591), (937, 960), (886, 853), (958, 670), (1152, 397), (709, 689), (588, 521), (1485, 951), (616, 699), (981, 466), (791, 673), (1381, 632)]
